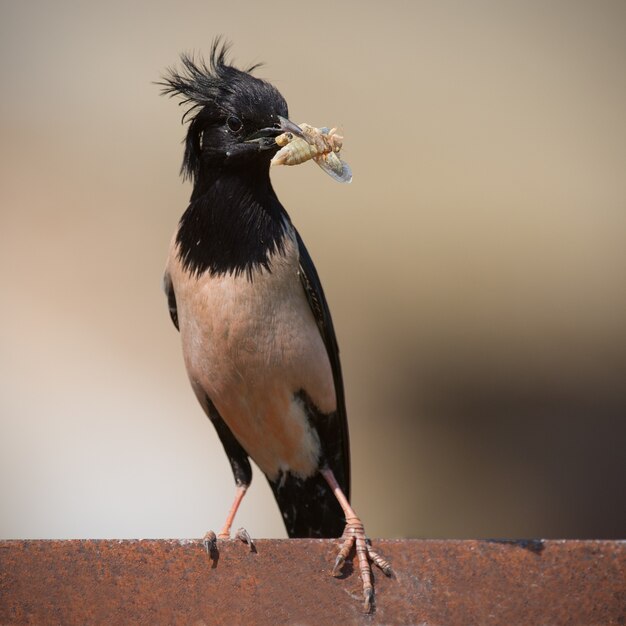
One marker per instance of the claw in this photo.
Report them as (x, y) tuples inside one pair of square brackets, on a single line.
[(339, 561), (243, 535), (209, 542), (368, 594)]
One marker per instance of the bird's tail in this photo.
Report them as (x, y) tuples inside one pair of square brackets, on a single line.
[(308, 506)]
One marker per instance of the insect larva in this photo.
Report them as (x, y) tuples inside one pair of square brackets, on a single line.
[(319, 144)]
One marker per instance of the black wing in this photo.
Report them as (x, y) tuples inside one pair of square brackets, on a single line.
[(168, 288), (308, 506), (337, 436)]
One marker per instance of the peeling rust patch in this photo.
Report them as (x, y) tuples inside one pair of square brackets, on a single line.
[(289, 582)]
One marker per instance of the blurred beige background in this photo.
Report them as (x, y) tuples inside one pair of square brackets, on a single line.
[(476, 267)]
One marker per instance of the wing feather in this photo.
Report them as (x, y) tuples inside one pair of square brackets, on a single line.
[(317, 301)]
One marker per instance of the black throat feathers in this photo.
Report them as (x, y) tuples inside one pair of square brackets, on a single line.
[(233, 224)]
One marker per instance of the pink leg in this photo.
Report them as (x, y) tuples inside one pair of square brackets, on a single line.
[(242, 534), (354, 533), (225, 532)]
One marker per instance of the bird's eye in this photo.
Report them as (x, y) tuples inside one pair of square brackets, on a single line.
[(234, 124)]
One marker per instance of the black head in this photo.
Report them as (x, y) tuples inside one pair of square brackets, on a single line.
[(233, 116)]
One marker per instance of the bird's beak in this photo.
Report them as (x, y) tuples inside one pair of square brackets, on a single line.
[(287, 126), (282, 126)]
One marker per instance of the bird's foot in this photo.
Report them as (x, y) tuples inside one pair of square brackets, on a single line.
[(209, 541), (243, 535), (354, 535)]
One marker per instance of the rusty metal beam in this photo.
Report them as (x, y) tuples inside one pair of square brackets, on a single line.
[(288, 582)]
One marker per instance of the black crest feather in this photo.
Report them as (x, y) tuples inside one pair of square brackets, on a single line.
[(203, 86), (200, 83)]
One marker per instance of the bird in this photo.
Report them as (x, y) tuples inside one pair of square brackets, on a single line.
[(257, 336)]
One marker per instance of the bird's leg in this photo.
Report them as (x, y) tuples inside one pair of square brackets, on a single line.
[(240, 493), (209, 539), (354, 534)]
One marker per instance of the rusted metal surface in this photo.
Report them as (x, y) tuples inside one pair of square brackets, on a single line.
[(437, 583)]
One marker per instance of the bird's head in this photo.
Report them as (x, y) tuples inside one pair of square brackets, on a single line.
[(233, 116)]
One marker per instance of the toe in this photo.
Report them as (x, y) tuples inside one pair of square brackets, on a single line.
[(209, 542), (243, 535), (368, 595), (378, 560)]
